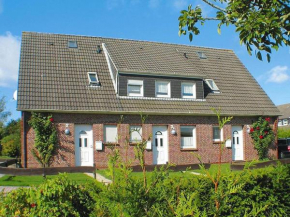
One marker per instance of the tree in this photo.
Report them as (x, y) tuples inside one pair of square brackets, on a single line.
[(45, 138), (3, 115), (262, 25)]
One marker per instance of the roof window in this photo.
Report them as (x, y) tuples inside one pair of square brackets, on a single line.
[(72, 44), (93, 79), (212, 85), (201, 55)]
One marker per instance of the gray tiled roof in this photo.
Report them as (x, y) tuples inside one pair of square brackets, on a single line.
[(285, 110), (53, 77)]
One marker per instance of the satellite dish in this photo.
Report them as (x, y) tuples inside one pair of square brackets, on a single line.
[(15, 95)]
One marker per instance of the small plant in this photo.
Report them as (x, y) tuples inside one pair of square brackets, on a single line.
[(45, 138), (262, 136)]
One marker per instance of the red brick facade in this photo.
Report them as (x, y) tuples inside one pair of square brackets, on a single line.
[(206, 148)]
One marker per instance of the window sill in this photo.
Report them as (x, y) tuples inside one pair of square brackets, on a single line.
[(134, 143), (188, 149), (217, 142), (111, 144)]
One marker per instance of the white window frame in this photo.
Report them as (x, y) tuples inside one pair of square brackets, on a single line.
[(135, 83), (285, 122), (72, 44), (93, 82), (213, 87), (168, 95), (221, 134), (193, 89), (201, 55), (136, 130), (193, 145), (106, 140), (280, 122)]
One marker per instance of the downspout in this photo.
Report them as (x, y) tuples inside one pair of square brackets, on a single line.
[(24, 142)]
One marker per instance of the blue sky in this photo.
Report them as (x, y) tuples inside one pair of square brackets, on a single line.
[(150, 20)]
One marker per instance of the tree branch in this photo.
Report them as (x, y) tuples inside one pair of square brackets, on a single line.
[(211, 18), (214, 6)]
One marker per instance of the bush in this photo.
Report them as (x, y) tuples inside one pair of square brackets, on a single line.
[(11, 145), (283, 132), (57, 197)]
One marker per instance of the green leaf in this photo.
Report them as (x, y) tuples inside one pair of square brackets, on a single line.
[(268, 57)]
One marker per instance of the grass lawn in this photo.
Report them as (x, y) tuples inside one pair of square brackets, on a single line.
[(79, 178), (5, 158)]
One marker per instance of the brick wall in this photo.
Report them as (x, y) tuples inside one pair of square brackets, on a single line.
[(206, 148)]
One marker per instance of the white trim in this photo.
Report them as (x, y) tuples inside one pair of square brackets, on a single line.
[(107, 55), (193, 84), (193, 145), (221, 135), (168, 83), (165, 98), (213, 87), (93, 82)]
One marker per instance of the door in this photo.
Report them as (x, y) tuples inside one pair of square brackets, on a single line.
[(160, 145), (237, 143), (84, 152)]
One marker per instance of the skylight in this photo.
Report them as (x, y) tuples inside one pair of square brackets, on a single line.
[(93, 79), (72, 44), (212, 85), (201, 55)]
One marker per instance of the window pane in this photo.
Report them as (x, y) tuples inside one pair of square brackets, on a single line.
[(111, 133), (93, 77), (72, 44), (134, 89), (135, 133), (216, 133), (86, 142), (162, 88), (188, 138)]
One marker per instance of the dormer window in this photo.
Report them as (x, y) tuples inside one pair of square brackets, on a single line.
[(93, 79), (135, 88), (72, 44), (212, 85), (162, 89), (188, 90), (201, 55)]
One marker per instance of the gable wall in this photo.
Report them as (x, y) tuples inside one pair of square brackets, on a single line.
[(206, 148)]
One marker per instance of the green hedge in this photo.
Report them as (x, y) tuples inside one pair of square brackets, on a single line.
[(260, 192)]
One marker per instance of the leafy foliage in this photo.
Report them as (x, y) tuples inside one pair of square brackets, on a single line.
[(57, 197), (262, 25), (11, 139), (262, 136), (283, 132), (45, 138)]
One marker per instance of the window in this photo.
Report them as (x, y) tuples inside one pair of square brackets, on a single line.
[(285, 122), (162, 89), (135, 88), (110, 134), (280, 123), (188, 90), (72, 44), (217, 134), (135, 133), (93, 79), (201, 55), (188, 137), (212, 85)]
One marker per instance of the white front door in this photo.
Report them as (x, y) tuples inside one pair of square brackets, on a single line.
[(84, 152), (160, 145), (237, 143)]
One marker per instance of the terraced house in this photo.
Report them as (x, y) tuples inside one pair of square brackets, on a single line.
[(88, 82)]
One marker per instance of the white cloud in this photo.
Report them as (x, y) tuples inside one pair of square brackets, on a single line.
[(278, 74), (9, 59)]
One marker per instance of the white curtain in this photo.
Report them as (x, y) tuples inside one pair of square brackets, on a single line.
[(188, 89), (111, 134), (136, 132), (162, 88)]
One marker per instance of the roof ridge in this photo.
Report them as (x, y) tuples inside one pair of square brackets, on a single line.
[(124, 39)]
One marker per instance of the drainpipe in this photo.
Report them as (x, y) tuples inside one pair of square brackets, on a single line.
[(24, 142)]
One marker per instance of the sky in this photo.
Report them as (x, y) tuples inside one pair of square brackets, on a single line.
[(149, 20)]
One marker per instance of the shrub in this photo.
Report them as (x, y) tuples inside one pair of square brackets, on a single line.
[(283, 132), (11, 145), (57, 197)]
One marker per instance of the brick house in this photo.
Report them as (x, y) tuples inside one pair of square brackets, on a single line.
[(284, 119), (88, 82)]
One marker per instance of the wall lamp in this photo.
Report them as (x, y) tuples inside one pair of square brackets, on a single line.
[(66, 131), (173, 131)]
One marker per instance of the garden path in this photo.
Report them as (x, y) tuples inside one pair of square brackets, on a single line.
[(100, 178)]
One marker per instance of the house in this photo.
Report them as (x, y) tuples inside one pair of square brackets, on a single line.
[(88, 82), (284, 120)]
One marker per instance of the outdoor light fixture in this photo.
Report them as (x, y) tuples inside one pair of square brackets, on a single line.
[(248, 128), (66, 131), (173, 131)]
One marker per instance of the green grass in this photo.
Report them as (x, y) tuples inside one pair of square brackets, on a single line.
[(6, 158), (225, 168), (79, 178)]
